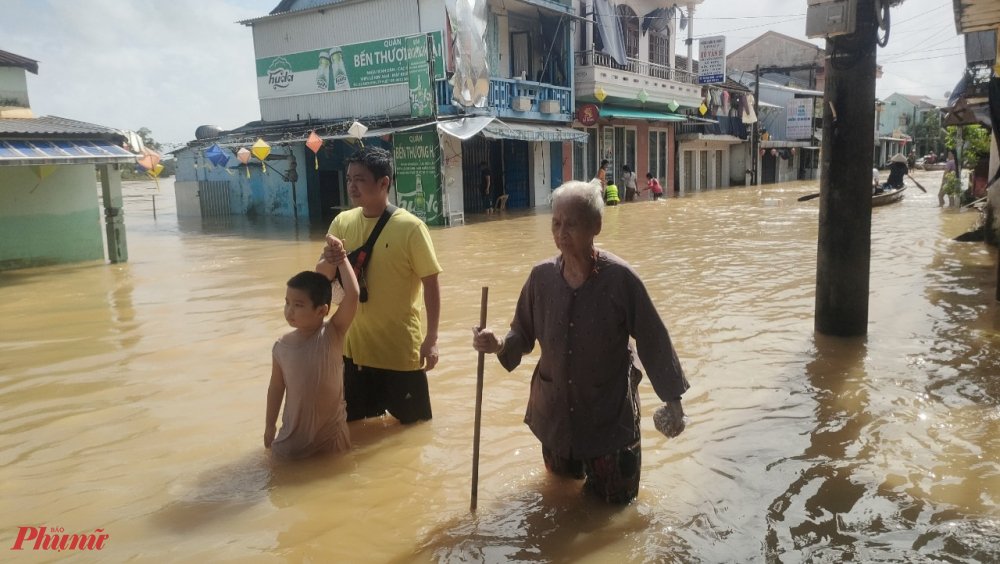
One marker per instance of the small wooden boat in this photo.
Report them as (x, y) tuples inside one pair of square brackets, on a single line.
[(886, 198)]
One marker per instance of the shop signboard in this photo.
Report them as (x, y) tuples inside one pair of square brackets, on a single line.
[(346, 67), (418, 186), (712, 59), (798, 124)]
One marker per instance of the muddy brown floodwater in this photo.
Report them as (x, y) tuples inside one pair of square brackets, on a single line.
[(132, 400)]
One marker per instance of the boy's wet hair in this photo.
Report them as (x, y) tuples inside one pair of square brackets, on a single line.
[(378, 161), (314, 284)]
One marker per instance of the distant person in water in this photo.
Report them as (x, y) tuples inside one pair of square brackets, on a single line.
[(949, 166), (610, 193), (307, 364), (653, 185), (897, 170)]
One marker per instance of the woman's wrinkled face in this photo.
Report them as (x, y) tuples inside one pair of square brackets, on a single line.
[(572, 229)]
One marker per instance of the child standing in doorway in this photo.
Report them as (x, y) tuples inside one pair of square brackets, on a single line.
[(307, 369)]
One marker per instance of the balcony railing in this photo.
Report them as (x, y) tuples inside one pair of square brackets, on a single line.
[(504, 91), (635, 66)]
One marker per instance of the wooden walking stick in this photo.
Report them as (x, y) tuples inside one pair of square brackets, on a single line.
[(479, 405)]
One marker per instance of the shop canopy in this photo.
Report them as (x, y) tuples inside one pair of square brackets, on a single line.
[(61, 152), (532, 132), (492, 128), (626, 113)]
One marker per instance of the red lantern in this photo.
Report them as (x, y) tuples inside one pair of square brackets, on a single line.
[(793, 150), (315, 144), (774, 152), (762, 151)]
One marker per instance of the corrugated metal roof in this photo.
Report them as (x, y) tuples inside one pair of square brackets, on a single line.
[(281, 10), (976, 15), (53, 126), (8, 59), (26, 153)]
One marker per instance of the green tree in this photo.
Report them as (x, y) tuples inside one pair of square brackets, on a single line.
[(927, 133), (976, 143), (147, 139)]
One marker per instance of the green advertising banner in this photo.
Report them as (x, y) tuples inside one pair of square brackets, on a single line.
[(359, 65), (418, 189), (420, 77)]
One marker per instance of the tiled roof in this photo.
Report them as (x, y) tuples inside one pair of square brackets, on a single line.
[(8, 59), (52, 126)]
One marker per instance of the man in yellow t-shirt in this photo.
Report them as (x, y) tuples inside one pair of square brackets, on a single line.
[(384, 356)]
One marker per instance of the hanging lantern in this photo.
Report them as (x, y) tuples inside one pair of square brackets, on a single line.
[(149, 159), (762, 151), (244, 156), (774, 152), (155, 173), (702, 108), (673, 105), (43, 171), (793, 150), (261, 150), (216, 155), (358, 130), (600, 94), (315, 144), (643, 96)]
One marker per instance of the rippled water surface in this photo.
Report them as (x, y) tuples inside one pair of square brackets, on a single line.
[(132, 399)]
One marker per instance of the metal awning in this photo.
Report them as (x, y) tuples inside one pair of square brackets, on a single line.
[(532, 132), (61, 152), (626, 113)]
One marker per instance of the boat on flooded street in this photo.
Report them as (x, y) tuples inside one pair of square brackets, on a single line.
[(888, 197), (134, 395)]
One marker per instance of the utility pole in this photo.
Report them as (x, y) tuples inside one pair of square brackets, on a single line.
[(843, 262), (755, 142)]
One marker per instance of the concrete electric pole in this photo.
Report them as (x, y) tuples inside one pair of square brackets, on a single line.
[(845, 209)]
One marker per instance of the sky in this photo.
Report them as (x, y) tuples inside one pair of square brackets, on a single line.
[(172, 65)]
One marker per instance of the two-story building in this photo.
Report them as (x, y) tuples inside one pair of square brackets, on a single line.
[(630, 88), (323, 67)]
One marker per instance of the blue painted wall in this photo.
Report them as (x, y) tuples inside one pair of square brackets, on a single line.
[(264, 193)]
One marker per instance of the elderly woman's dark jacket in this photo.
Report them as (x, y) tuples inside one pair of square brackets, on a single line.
[(584, 399)]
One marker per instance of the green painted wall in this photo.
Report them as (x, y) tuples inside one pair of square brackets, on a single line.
[(51, 221)]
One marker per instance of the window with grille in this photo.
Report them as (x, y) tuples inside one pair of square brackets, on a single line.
[(659, 54), (630, 30), (718, 169), (703, 171), (585, 156), (658, 156), (688, 171)]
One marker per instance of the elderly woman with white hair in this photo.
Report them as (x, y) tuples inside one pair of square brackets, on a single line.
[(581, 307)]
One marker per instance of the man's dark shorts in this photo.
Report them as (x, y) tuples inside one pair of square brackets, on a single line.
[(370, 392)]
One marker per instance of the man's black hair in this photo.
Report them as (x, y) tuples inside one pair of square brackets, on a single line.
[(378, 161), (605, 163), (314, 284), (626, 168)]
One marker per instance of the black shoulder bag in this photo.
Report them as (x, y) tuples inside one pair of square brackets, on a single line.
[(360, 257)]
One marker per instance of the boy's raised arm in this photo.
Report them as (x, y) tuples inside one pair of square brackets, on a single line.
[(344, 315), (334, 259)]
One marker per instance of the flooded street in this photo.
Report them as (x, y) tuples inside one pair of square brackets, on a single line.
[(132, 400)]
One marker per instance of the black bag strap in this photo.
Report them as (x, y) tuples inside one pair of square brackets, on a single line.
[(361, 256), (359, 260)]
